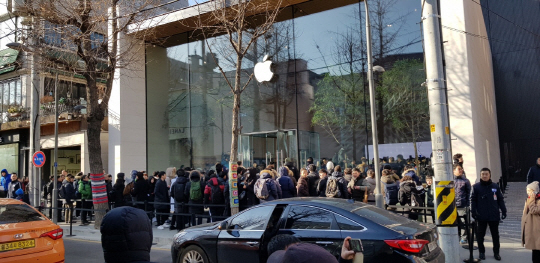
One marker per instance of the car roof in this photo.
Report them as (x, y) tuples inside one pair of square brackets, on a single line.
[(10, 201)]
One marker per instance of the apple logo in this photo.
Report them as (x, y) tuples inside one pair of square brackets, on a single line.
[(263, 70)]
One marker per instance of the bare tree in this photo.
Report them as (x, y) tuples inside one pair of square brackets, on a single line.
[(81, 37), (241, 23)]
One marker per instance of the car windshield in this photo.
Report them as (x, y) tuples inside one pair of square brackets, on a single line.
[(18, 213)]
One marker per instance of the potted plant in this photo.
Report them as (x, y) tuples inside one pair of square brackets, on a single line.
[(14, 111)]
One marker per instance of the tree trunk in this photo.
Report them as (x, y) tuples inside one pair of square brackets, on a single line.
[(99, 192), (235, 129)]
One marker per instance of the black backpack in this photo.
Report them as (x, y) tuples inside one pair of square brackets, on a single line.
[(62, 192), (391, 193), (216, 195), (179, 195)]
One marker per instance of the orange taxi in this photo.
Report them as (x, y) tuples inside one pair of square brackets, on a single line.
[(26, 235)]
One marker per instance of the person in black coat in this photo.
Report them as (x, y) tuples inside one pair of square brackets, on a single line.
[(118, 191), (162, 201), (321, 186), (313, 180), (69, 197), (407, 189), (126, 235), (487, 202), (196, 205), (180, 200), (249, 186), (141, 189), (534, 172)]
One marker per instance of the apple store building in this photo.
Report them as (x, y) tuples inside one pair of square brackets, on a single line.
[(315, 104)]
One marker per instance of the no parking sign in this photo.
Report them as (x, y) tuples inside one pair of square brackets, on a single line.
[(38, 159)]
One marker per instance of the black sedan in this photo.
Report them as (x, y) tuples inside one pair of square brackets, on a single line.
[(386, 237)]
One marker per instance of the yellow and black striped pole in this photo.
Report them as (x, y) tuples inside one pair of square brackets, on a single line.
[(445, 204)]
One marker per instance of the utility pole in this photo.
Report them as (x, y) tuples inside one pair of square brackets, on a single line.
[(374, 137), (445, 205), (55, 180)]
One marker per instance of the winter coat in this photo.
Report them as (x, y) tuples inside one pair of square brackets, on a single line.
[(13, 187), (286, 183), (429, 196), (195, 177), (462, 188), (532, 175), (313, 181), (407, 189), (271, 185), (296, 173), (486, 201), (171, 173), (225, 184), (412, 174), (69, 191), (348, 178), (303, 187), (321, 188), (358, 194), (161, 195), (141, 189), (372, 187), (530, 224), (85, 188), (250, 192), (178, 190), (51, 188), (118, 189), (208, 189), (126, 235), (5, 180)]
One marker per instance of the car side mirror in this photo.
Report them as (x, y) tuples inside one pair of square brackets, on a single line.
[(223, 225)]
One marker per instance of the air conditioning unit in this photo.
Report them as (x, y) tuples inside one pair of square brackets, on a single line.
[(18, 7)]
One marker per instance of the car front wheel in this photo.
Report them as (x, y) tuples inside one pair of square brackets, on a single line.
[(193, 254)]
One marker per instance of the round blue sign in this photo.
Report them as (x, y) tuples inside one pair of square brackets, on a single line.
[(39, 159)]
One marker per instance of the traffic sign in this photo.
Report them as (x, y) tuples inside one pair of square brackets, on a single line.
[(38, 159)]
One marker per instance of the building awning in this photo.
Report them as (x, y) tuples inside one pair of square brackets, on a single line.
[(8, 59)]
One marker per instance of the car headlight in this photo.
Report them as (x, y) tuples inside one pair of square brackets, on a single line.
[(179, 236)]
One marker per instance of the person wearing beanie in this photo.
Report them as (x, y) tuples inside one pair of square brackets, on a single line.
[(487, 201), (530, 221), (126, 235), (330, 166), (534, 172)]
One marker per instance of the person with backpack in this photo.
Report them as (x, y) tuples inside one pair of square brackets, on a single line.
[(249, 185), (68, 193), (162, 200), (409, 170), (286, 183), (195, 193), (409, 195), (86, 194), (336, 186), (180, 200), (266, 188), (321, 187), (358, 187), (214, 195)]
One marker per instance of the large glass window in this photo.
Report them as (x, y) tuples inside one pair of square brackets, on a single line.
[(11, 92), (319, 99)]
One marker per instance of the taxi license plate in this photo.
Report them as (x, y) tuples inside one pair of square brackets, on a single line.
[(17, 245), (432, 246)]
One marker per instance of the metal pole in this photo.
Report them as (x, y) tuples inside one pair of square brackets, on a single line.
[(378, 194), (34, 128), (55, 188), (439, 127)]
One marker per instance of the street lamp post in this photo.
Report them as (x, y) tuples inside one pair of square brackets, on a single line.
[(33, 175), (378, 194)]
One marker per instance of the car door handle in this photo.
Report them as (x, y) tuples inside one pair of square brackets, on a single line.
[(324, 242), (253, 243)]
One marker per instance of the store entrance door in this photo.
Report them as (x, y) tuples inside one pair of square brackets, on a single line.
[(263, 148)]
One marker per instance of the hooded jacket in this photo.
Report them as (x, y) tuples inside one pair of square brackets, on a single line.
[(412, 173), (303, 188), (287, 186), (486, 201), (532, 175), (195, 177), (5, 180), (126, 235), (214, 181), (161, 195), (133, 175), (85, 188)]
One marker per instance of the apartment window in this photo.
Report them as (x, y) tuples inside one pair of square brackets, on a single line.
[(11, 93)]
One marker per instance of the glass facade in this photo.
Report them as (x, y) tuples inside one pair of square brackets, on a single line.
[(317, 106)]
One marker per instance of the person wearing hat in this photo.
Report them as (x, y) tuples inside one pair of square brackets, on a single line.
[(486, 202), (530, 221)]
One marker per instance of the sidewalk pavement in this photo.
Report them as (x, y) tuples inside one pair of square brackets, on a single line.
[(162, 238)]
